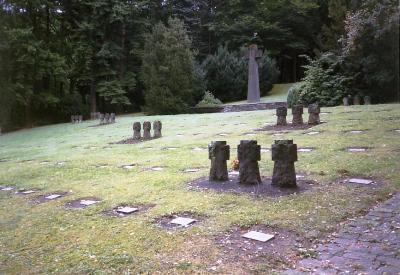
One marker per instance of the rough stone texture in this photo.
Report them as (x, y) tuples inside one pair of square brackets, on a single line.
[(107, 118), (314, 111), (284, 154), (72, 119), (281, 114), (249, 153), (218, 153), (297, 111), (80, 119), (346, 101), (366, 245), (101, 119), (112, 118), (137, 127), (157, 126), (357, 100), (146, 130), (367, 100), (253, 85)]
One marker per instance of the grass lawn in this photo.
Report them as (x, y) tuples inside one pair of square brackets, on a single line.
[(278, 94), (50, 238)]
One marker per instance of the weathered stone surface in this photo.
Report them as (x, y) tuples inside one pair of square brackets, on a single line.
[(297, 111), (80, 119), (137, 127), (314, 111), (357, 100), (258, 236), (253, 85), (346, 101), (249, 153), (72, 119), (107, 118), (367, 100), (284, 154), (101, 119), (112, 118), (281, 114), (218, 153), (146, 130), (157, 127)]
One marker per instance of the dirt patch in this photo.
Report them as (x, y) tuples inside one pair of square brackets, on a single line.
[(49, 197), (288, 127), (140, 208), (165, 221), (264, 189), (283, 251), (76, 204), (133, 141)]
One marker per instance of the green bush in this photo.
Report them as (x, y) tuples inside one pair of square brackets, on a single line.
[(168, 70), (324, 82), (294, 94), (209, 100)]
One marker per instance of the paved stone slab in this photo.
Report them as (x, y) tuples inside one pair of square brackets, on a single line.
[(366, 245), (305, 150), (157, 168), (258, 236), (127, 210), (192, 170), (7, 188), (361, 181), (128, 166), (223, 135), (87, 202), (183, 221), (312, 133), (27, 192), (198, 149), (356, 132), (53, 196), (397, 130), (355, 150)]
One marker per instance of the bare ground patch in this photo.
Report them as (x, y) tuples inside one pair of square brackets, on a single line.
[(288, 127), (133, 141)]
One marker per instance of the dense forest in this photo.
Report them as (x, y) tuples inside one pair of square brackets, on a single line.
[(65, 57)]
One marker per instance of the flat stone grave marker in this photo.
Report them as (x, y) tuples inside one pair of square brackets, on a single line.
[(300, 176), (223, 134), (157, 168), (305, 150), (7, 188), (60, 163), (127, 210), (361, 181), (265, 150), (171, 148), (397, 130), (179, 135), (258, 236), (356, 131), (250, 134), (198, 149), (234, 173), (185, 222), (45, 162), (102, 166), (26, 192), (278, 134), (356, 149), (192, 170), (128, 166), (53, 196), (312, 133), (87, 202)]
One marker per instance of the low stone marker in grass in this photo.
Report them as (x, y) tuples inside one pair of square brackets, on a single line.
[(258, 236), (281, 114), (249, 153), (346, 101), (284, 154), (218, 153), (357, 100), (314, 111), (76, 119), (112, 118), (146, 130), (182, 221), (157, 126), (367, 100), (297, 111)]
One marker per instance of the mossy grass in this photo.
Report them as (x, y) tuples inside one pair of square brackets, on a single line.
[(50, 238)]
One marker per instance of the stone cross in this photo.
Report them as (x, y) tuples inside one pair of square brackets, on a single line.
[(367, 100), (146, 130), (157, 126), (346, 101), (313, 117), (107, 118), (218, 153), (112, 118), (137, 127), (249, 153), (253, 84), (284, 154), (281, 113), (101, 118), (297, 111), (357, 100)]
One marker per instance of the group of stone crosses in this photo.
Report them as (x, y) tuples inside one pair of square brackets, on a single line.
[(356, 100), (76, 119), (137, 128), (297, 110), (107, 118), (284, 154)]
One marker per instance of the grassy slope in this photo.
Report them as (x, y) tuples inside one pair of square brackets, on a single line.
[(278, 94), (48, 238)]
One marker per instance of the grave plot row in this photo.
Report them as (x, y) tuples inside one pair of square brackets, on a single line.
[(356, 100), (157, 126)]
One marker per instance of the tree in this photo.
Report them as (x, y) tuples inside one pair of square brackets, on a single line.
[(168, 69)]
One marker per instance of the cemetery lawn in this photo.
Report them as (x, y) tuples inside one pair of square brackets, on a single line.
[(278, 93), (50, 238)]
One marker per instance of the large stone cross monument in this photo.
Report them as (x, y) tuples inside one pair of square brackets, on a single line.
[(253, 85)]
